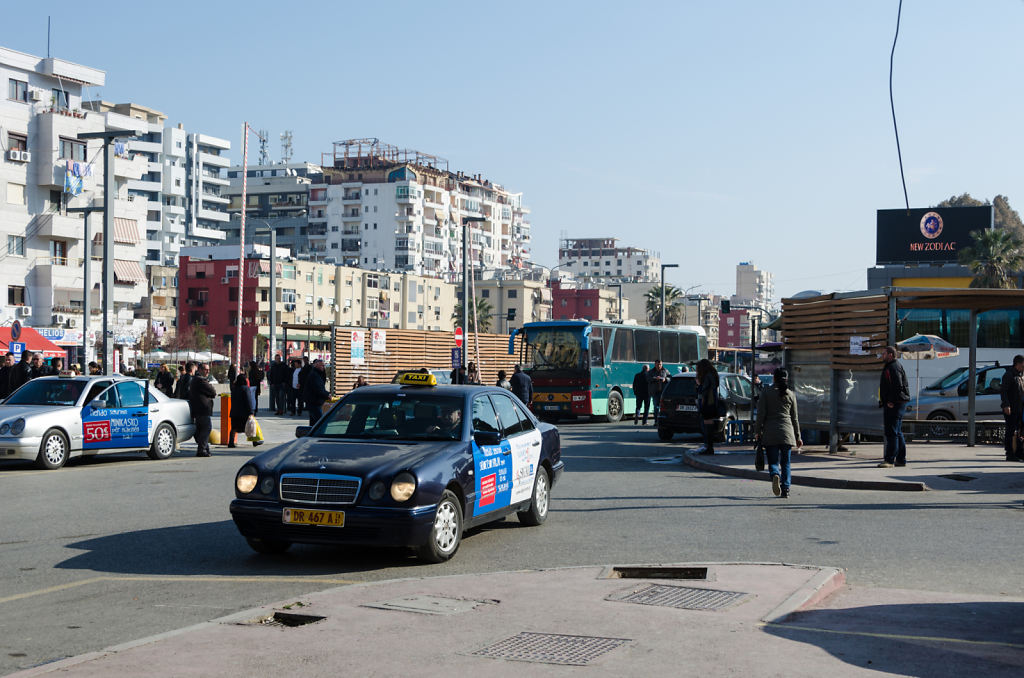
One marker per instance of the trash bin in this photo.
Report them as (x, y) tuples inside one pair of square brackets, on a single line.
[(225, 419)]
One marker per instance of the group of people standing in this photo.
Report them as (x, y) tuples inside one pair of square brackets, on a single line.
[(14, 374), (648, 385)]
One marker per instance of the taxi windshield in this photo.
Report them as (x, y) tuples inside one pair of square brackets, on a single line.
[(407, 415), (56, 392)]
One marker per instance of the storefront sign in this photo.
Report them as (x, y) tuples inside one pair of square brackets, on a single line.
[(932, 234)]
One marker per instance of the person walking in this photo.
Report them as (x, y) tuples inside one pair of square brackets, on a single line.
[(502, 381), (893, 396), (657, 380), (200, 402), (278, 380), (304, 370), (1011, 396), (316, 393), (709, 404), (294, 397), (164, 380), (522, 385), (241, 406), (778, 429), (255, 379), (5, 375), (642, 393)]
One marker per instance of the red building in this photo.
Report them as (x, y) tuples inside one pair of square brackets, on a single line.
[(734, 329), (570, 303), (208, 297)]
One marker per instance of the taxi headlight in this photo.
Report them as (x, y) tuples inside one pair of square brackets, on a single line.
[(245, 481), (377, 490), (18, 427), (403, 486), (4, 428), (267, 486)]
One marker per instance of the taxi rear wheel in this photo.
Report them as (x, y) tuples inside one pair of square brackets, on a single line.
[(538, 511), (163, 443), (446, 532), (53, 450)]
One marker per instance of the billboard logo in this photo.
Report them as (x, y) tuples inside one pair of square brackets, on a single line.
[(931, 225)]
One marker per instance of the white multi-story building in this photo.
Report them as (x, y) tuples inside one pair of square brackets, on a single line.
[(41, 267), (206, 210), (391, 209), (754, 287), (603, 258), (278, 196)]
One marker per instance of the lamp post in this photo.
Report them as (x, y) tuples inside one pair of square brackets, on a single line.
[(86, 260), (663, 267), (466, 221), (108, 137)]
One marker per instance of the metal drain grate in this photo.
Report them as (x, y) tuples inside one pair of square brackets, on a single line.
[(551, 648), (289, 619), (683, 597)]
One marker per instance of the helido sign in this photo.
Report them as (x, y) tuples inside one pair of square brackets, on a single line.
[(458, 337)]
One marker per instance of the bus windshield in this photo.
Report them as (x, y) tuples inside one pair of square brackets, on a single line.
[(555, 349)]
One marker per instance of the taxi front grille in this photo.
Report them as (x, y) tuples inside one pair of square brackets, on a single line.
[(319, 488)]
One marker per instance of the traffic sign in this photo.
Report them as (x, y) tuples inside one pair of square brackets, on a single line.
[(458, 337), (456, 358), (17, 348), (15, 330)]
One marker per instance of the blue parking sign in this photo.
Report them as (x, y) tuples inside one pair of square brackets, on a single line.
[(17, 348)]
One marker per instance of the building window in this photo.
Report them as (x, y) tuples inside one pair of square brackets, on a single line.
[(232, 294), (60, 98), (17, 90), (565, 302), (15, 194), (586, 302), (375, 225), (486, 294), (264, 295), (17, 142), (71, 149), (512, 294), (15, 295)]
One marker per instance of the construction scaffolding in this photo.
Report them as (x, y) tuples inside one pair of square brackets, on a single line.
[(371, 153)]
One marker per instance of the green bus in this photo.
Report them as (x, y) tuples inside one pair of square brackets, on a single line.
[(583, 368)]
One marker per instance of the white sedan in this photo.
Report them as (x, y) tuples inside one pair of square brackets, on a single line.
[(52, 419)]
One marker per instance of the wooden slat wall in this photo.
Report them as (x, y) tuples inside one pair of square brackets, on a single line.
[(827, 323), (412, 349)]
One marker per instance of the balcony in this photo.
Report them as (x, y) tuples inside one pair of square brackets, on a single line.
[(147, 186), (214, 160), (146, 146), (213, 215), (351, 198), (131, 168), (55, 225)]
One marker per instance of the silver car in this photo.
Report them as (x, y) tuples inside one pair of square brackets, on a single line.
[(946, 399), (52, 419)]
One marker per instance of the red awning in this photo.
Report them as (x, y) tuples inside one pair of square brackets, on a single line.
[(128, 271), (33, 341)]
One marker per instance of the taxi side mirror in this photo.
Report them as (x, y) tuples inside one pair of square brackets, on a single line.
[(302, 431), (487, 437), (97, 404)]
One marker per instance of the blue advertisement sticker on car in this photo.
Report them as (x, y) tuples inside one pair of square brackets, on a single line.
[(492, 467)]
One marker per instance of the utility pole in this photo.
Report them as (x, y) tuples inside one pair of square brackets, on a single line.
[(87, 285)]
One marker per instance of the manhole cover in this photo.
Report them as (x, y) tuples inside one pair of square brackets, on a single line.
[(289, 619), (551, 648), (430, 604), (959, 476), (683, 597)]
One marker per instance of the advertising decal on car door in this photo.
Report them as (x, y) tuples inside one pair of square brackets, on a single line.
[(493, 470)]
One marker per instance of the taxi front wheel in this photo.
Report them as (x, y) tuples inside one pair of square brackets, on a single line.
[(53, 450), (446, 533), (538, 511)]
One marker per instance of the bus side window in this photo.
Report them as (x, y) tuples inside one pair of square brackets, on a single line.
[(596, 352)]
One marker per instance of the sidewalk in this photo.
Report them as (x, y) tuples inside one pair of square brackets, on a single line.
[(930, 466), (738, 619)]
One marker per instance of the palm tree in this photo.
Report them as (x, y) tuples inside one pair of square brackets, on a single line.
[(673, 310), (994, 255), (483, 315)]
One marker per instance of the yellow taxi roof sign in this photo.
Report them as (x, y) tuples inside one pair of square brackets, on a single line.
[(417, 379)]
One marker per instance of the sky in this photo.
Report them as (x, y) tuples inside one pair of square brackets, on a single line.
[(711, 132)]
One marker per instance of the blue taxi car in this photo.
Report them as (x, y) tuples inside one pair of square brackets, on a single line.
[(411, 464)]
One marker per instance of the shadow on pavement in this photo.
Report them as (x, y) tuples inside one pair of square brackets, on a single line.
[(218, 549), (932, 639)]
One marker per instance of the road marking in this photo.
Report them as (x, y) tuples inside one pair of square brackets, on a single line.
[(181, 578), (898, 636)]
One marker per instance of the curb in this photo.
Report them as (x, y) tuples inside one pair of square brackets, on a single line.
[(689, 458), (827, 581)]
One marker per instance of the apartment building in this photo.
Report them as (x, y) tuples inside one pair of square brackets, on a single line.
[(160, 307), (604, 258), (572, 300), (754, 287), (44, 169), (385, 208), (515, 297), (278, 197)]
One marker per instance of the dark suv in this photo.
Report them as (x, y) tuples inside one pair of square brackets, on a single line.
[(678, 410)]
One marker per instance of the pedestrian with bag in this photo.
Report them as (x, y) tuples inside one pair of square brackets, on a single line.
[(893, 396), (1011, 396), (778, 429), (241, 406), (200, 402), (641, 392), (709, 404), (255, 379)]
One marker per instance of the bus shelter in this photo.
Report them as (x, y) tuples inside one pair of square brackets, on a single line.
[(833, 348)]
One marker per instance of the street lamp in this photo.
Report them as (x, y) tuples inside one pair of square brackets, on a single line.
[(663, 267), (86, 311), (466, 221)]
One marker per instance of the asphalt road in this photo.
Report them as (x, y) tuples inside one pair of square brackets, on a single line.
[(120, 547)]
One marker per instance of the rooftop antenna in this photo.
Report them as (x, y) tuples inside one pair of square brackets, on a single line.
[(286, 146), (47, 37), (264, 156)]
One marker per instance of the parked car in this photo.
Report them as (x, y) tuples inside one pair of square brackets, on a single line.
[(678, 409), (946, 399), (411, 464), (52, 419)]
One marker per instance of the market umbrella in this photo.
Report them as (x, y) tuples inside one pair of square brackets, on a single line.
[(925, 347)]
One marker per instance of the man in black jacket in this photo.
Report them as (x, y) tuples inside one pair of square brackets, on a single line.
[(5, 375), (522, 385), (893, 395), (1011, 393), (200, 401), (182, 389), (21, 372), (316, 393), (642, 395), (279, 381)]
